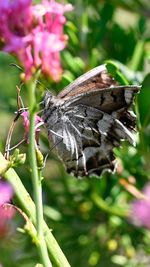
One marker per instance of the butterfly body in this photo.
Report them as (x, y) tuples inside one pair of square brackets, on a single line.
[(88, 119)]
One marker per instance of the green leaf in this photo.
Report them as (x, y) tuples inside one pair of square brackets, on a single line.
[(116, 73), (75, 64), (137, 55), (144, 102), (142, 24)]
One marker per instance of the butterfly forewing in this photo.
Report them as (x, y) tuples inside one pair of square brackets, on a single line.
[(88, 119), (94, 79)]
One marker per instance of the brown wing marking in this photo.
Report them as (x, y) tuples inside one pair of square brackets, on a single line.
[(97, 78)]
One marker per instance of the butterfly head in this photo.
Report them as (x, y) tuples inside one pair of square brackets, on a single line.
[(49, 99)]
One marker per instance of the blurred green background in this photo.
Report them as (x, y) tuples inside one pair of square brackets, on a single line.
[(88, 216)]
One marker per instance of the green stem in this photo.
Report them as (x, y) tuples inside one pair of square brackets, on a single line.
[(101, 204), (28, 207), (37, 186)]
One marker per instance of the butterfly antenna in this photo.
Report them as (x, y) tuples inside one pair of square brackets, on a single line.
[(15, 65)]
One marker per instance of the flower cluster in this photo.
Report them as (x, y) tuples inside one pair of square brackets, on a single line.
[(140, 209), (34, 33)]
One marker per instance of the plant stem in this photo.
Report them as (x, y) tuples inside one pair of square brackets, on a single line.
[(101, 204), (28, 207), (36, 179)]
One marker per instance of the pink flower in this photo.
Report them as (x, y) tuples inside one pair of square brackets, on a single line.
[(6, 192), (34, 33), (6, 213), (140, 209), (26, 124)]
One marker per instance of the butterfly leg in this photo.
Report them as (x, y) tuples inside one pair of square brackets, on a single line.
[(84, 163)]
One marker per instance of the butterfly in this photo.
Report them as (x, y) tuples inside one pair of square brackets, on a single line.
[(88, 119)]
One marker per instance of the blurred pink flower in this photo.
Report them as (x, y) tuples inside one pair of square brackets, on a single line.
[(140, 209), (34, 33), (6, 192), (26, 124), (6, 213)]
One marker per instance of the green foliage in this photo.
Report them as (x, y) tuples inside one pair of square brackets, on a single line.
[(144, 97), (89, 217)]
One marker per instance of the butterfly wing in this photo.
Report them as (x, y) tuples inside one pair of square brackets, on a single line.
[(85, 139), (96, 78), (98, 89), (91, 120)]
